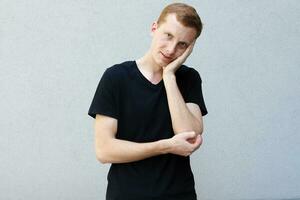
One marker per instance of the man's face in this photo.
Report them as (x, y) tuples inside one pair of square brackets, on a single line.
[(170, 40)]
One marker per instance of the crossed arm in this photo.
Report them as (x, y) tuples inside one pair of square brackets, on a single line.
[(112, 150), (186, 120)]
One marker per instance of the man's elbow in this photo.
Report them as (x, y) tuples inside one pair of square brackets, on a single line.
[(199, 131), (196, 130), (197, 127), (101, 156), (101, 159)]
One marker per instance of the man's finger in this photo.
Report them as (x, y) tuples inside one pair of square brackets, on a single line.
[(190, 134), (198, 141)]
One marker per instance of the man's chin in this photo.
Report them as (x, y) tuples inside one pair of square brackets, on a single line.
[(161, 63), (164, 63)]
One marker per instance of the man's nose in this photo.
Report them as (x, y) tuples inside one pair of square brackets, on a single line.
[(171, 48)]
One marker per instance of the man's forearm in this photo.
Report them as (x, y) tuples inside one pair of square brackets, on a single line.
[(182, 118), (123, 151)]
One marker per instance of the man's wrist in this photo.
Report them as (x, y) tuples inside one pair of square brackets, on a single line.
[(169, 76), (165, 146)]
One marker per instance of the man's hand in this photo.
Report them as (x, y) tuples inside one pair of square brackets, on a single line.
[(185, 143), (175, 64)]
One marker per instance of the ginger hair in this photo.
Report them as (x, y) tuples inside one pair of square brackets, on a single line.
[(185, 14)]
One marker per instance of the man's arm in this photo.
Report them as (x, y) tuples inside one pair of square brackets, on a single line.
[(112, 150), (185, 117)]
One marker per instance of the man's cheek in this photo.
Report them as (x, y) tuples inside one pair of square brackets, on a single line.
[(180, 52)]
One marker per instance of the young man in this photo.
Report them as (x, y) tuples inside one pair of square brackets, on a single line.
[(149, 114)]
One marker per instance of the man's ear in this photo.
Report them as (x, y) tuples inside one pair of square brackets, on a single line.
[(153, 27)]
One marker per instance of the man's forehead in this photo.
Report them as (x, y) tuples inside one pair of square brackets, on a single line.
[(172, 25), (171, 19)]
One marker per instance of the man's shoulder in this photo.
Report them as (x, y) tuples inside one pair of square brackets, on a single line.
[(186, 72), (119, 69)]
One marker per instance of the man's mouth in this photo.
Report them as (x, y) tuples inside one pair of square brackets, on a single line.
[(166, 57)]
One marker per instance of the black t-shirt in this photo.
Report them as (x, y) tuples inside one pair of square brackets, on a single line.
[(141, 109)]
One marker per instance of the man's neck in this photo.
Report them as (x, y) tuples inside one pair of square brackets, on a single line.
[(148, 64), (149, 68)]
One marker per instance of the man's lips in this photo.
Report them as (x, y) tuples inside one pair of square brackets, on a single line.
[(166, 57)]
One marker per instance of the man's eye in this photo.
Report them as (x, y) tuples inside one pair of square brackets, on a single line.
[(182, 45), (169, 35)]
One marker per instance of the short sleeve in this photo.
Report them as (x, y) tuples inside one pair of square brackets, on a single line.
[(105, 98), (194, 91)]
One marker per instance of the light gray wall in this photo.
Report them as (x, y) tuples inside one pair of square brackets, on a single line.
[(53, 53)]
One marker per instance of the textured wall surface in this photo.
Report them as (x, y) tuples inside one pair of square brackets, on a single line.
[(53, 54)]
